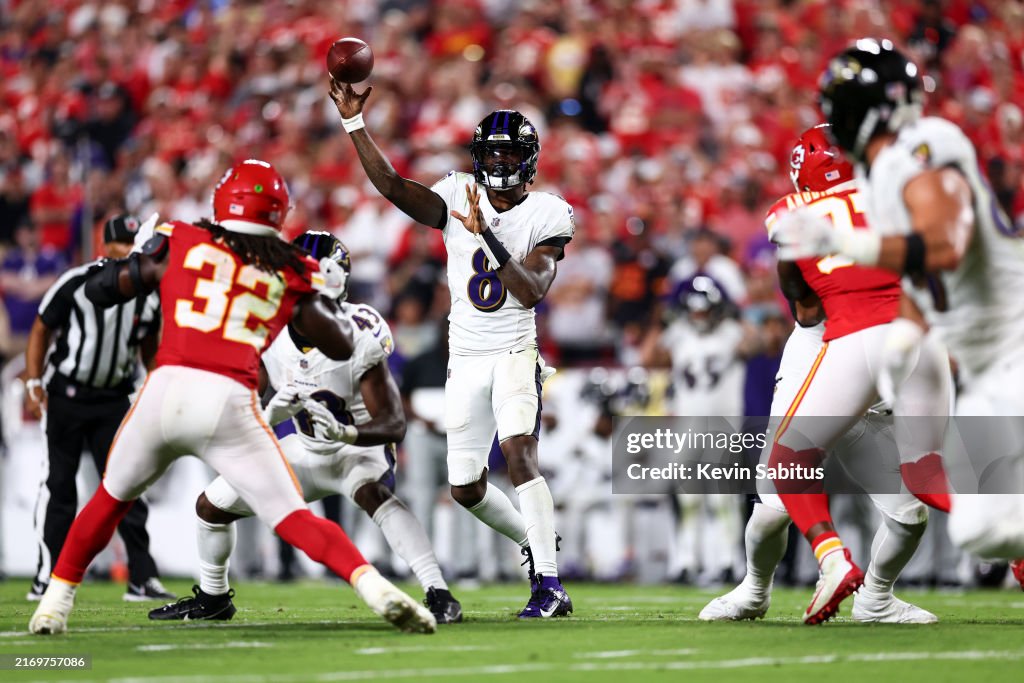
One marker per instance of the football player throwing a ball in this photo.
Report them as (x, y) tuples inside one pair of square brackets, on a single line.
[(503, 244)]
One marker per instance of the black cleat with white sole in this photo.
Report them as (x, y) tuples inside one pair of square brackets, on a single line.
[(443, 605), (199, 606)]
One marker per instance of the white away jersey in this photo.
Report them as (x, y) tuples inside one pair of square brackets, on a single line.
[(335, 383), (485, 318), (707, 374), (983, 316)]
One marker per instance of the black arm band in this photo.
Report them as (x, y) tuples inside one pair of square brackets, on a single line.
[(102, 287), (135, 273), (914, 263), (496, 248)]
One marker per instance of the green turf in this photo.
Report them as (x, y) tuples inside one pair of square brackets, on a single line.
[(315, 631)]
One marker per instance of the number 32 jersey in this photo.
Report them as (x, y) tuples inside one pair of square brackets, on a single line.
[(218, 313), (485, 318), (334, 383)]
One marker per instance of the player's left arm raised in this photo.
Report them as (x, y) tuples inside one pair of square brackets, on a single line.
[(528, 281)]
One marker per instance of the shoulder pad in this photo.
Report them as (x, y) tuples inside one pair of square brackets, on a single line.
[(156, 246)]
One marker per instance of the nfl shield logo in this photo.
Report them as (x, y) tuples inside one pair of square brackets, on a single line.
[(303, 363)]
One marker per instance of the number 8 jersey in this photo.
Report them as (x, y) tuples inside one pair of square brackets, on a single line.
[(334, 383), (219, 314), (485, 318)]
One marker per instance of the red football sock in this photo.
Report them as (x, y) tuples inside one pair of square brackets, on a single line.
[(805, 501), (323, 541), (90, 533), (927, 480)]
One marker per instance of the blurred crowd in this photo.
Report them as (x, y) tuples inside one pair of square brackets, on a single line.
[(666, 123)]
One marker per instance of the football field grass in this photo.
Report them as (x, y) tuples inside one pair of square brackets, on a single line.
[(316, 631)]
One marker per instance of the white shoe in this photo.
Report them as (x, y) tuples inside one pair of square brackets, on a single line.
[(891, 611), (51, 615), (387, 601), (736, 605), (840, 577)]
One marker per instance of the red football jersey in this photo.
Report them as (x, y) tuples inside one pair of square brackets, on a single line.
[(219, 314), (854, 297)]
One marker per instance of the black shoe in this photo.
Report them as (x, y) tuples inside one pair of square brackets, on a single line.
[(150, 589), (199, 607), (35, 593), (443, 605)]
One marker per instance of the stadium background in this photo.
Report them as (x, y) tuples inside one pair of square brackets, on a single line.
[(666, 123)]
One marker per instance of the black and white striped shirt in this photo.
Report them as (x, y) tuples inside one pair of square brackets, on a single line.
[(95, 347)]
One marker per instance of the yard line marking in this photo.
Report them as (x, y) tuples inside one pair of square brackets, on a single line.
[(617, 654), (421, 648), (164, 647), (588, 667)]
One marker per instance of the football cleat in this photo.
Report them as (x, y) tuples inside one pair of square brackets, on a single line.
[(150, 589), (840, 577), (890, 611), (1017, 567), (51, 615), (736, 605), (35, 593), (547, 600), (443, 605), (387, 601), (199, 606)]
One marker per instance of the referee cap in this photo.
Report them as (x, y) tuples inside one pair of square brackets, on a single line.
[(120, 228)]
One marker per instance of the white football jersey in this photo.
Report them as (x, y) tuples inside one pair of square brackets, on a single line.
[(335, 383), (485, 318), (982, 318), (707, 373)]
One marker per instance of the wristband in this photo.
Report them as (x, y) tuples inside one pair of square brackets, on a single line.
[(862, 246), (913, 264), (33, 383), (353, 124), (496, 252)]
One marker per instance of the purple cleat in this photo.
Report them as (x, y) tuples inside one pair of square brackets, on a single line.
[(548, 599)]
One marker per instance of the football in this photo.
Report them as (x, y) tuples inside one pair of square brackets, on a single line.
[(350, 60)]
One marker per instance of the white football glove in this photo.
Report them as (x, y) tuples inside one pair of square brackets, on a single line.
[(899, 356), (145, 231), (328, 425), (335, 278), (285, 404), (802, 234)]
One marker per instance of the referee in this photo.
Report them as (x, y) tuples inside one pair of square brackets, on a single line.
[(90, 372)]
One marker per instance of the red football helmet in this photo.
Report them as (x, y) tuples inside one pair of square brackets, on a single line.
[(251, 198), (816, 163)]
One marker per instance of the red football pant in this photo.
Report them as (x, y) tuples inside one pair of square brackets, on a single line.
[(323, 541), (927, 480), (90, 533), (805, 501)]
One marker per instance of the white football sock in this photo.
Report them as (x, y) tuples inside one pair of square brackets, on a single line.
[(215, 541), (539, 515), (893, 546), (498, 512), (765, 539), (409, 540)]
